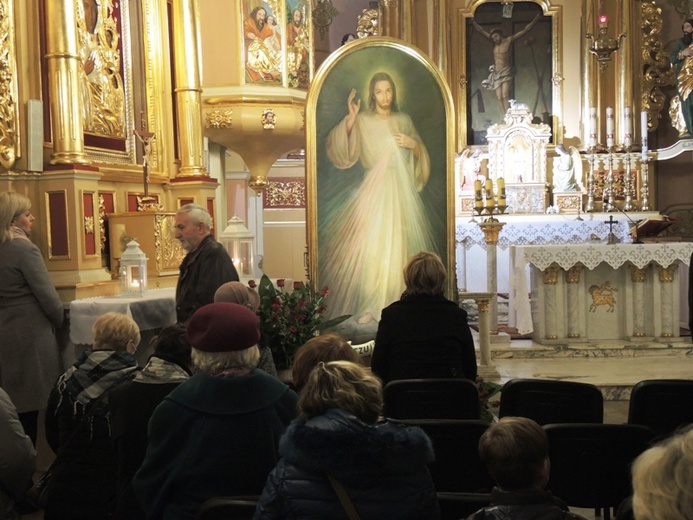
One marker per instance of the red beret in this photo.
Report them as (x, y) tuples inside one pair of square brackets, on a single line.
[(223, 327)]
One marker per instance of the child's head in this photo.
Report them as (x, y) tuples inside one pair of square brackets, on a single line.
[(516, 453)]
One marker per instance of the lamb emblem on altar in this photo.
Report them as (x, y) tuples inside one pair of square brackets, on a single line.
[(603, 295)]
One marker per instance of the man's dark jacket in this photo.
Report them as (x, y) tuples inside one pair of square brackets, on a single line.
[(201, 273)]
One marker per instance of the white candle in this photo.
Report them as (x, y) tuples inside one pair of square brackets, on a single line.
[(609, 127), (627, 127), (593, 126), (643, 130)]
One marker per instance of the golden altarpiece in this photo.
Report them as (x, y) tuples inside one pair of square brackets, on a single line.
[(81, 76)]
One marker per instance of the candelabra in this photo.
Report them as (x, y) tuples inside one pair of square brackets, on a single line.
[(604, 45)]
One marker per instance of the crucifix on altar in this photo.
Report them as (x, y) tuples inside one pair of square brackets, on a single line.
[(611, 237), (145, 137)]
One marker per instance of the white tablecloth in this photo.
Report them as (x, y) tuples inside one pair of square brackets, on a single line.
[(590, 256), (155, 309)]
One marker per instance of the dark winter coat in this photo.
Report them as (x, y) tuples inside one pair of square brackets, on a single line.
[(382, 466), (509, 505), (423, 336), (212, 436), (202, 272)]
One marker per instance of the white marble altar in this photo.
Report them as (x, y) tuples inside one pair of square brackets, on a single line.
[(598, 291)]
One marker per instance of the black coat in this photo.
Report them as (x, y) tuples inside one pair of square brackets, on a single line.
[(382, 466), (202, 272), (538, 505), (423, 336)]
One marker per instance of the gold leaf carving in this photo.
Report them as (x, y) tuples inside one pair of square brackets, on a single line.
[(218, 118), (88, 225), (8, 87), (169, 253), (285, 194), (657, 71), (269, 119)]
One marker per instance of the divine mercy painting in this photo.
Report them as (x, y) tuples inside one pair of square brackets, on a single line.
[(380, 179)]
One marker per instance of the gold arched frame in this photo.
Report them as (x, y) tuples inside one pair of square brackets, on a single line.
[(312, 147), (556, 14)]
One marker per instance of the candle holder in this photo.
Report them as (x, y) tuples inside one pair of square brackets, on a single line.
[(590, 182), (628, 181), (644, 172), (610, 199)]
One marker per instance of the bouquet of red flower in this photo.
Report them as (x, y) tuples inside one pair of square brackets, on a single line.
[(290, 318)]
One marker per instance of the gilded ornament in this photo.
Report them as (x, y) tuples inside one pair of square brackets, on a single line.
[(572, 275), (483, 305), (88, 225), (258, 184), (286, 194), (268, 119), (323, 16), (657, 71), (550, 274), (603, 295), (168, 251), (666, 274), (367, 23), (8, 87), (637, 275), (102, 222), (218, 118)]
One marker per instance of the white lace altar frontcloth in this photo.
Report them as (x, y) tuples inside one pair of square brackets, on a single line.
[(542, 229), (590, 256)]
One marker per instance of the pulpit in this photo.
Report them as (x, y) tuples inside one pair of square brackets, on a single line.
[(588, 292), (154, 233)]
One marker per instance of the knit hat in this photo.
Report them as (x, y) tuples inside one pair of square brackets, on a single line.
[(223, 327), (236, 292)]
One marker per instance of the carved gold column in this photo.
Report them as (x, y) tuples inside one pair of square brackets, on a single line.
[(666, 278), (572, 278), (550, 277), (492, 228), (391, 16), (638, 277), (188, 92), (64, 83)]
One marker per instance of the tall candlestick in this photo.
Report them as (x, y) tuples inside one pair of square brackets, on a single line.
[(643, 130), (627, 127), (489, 193), (478, 199), (609, 127), (500, 184), (593, 127)]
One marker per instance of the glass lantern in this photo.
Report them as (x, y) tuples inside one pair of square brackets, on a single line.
[(240, 243), (133, 271)]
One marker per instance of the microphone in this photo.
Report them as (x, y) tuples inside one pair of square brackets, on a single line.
[(634, 232)]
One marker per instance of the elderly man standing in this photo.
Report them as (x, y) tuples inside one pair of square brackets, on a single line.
[(206, 266)]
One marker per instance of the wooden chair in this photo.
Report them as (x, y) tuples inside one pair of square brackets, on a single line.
[(225, 508), (590, 463), (431, 399), (663, 405), (457, 467), (550, 401)]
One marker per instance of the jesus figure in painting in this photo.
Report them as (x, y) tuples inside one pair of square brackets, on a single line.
[(375, 229)]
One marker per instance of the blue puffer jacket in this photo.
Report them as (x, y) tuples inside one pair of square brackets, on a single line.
[(382, 466)]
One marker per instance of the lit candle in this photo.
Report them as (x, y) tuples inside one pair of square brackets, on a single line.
[(643, 130), (609, 127), (603, 22), (593, 126), (627, 127), (478, 200)]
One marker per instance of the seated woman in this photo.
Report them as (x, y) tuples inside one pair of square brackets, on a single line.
[(132, 405), (84, 473), (338, 441), (424, 335), (326, 347)]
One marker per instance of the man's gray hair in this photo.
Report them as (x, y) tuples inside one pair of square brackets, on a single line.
[(198, 214)]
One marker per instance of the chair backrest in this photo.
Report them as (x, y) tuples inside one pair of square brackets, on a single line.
[(431, 399), (550, 402), (454, 506), (662, 404), (590, 463), (225, 508), (457, 467)]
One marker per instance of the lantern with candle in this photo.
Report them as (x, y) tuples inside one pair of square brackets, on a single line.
[(240, 243), (133, 270)]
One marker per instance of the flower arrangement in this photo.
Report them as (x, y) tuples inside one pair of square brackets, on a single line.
[(290, 318), (486, 391)]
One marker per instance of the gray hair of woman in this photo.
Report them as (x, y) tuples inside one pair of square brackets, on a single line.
[(12, 205)]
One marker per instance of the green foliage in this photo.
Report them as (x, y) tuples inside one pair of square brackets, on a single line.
[(486, 391), (289, 318)]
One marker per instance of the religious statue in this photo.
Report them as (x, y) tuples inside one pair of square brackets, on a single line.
[(681, 110), (146, 138), (564, 168)]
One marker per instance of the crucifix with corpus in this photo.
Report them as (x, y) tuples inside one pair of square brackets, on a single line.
[(145, 137)]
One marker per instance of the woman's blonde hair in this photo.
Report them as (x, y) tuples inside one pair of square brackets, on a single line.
[(344, 385), (663, 479), (12, 205), (113, 331), (326, 347), (425, 274), (216, 362)]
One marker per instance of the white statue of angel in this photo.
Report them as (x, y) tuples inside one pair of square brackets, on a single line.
[(567, 169)]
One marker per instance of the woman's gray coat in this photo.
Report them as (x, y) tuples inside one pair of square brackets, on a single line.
[(30, 309)]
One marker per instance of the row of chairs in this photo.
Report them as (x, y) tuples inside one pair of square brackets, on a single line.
[(660, 404)]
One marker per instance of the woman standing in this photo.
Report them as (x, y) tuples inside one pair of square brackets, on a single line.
[(30, 310), (424, 335)]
